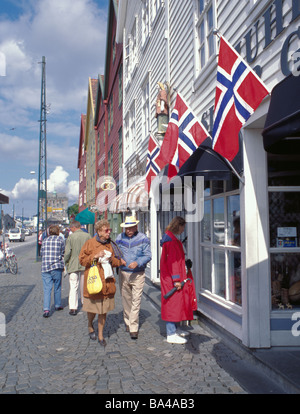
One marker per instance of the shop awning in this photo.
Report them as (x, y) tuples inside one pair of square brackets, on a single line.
[(135, 198), (206, 162), (85, 217), (115, 204), (4, 199), (281, 133)]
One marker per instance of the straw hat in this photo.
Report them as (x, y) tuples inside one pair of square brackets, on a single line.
[(130, 221)]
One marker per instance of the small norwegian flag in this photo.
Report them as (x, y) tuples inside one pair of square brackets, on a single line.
[(183, 136), (153, 165), (239, 92)]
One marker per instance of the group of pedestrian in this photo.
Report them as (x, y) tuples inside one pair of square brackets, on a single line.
[(130, 253)]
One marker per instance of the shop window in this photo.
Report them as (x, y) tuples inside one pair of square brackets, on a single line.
[(284, 224), (220, 241), (205, 23)]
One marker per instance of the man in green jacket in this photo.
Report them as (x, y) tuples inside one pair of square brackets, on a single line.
[(74, 243)]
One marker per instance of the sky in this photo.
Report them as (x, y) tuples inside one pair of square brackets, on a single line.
[(71, 35)]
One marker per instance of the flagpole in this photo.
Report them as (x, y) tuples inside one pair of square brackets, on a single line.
[(234, 171)]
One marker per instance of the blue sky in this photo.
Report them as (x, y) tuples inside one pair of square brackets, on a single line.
[(71, 35)]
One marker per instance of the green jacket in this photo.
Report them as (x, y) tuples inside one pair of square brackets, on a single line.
[(74, 243)]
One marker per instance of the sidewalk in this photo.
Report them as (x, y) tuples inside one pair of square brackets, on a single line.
[(279, 364), (56, 356)]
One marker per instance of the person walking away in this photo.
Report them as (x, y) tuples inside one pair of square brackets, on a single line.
[(135, 247), (177, 307), (52, 252), (100, 303), (74, 244)]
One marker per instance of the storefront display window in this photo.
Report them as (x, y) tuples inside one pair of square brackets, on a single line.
[(284, 223), (235, 284), (206, 268), (219, 273), (220, 240)]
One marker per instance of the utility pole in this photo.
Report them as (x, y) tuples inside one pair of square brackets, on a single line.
[(42, 180)]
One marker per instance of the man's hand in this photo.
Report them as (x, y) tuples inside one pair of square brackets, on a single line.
[(123, 263), (132, 265)]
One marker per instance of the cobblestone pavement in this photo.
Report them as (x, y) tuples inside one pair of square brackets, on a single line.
[(55, 355)]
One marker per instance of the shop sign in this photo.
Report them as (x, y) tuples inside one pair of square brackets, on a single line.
[(286, 237)]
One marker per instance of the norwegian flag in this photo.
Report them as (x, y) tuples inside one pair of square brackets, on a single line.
[(153, 166), (183, 136), (239, 92)]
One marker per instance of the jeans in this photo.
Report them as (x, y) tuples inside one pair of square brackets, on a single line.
[(171, 328), (50, 279)]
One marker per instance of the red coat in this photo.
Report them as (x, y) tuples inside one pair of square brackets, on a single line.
[(178, 307)]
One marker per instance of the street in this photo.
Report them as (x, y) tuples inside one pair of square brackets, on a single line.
[(56, 356)]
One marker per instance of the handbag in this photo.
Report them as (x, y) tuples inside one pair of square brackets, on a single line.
[(94, 282)]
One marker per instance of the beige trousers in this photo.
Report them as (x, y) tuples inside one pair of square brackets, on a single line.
[(131, 288), (76, 289)]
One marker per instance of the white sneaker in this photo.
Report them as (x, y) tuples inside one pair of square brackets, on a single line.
[(182, 333), (176, 339)]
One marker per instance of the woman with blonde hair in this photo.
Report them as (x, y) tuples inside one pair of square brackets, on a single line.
[(177, 307), (97, 248)]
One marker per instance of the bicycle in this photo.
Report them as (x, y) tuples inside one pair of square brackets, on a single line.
[(8, 261)]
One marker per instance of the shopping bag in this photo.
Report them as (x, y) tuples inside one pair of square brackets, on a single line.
[(94, 283)]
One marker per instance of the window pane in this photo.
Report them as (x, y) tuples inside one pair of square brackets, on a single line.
[(284, 212), (218, 221), (202, 33), (205, 231), (285, 280), (219, 273), (201, 6), (235, 283), (210, 19), (211, 46), (217, 187), (206, 268), (233, 220), (284, 169)]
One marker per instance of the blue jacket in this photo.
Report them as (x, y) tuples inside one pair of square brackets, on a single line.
[(134, 249)]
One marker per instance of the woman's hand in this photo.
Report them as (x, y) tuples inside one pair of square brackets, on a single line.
[(177, 285), (99, 254)]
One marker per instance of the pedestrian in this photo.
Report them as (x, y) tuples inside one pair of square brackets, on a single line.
[(52, 252), (94, 249), (135, 247), (177, 307), (40, 241), (74, 243)]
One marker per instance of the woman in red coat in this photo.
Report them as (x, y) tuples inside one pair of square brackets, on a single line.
[(177, 307)]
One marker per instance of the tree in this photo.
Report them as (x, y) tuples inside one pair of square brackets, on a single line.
[(73, 211)]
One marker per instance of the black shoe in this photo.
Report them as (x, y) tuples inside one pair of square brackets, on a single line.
[(134, 335), (59, 308), (102, 342), (73, 312), (46, 314), (93, 336)]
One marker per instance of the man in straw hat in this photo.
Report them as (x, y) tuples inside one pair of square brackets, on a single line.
[(135, 247)]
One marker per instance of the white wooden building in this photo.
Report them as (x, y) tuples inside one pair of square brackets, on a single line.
[(251, 287)]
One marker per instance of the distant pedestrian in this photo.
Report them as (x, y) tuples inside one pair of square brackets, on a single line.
[(135, 247), (74, 243), (52, 252), (101, 303), (177, 307)]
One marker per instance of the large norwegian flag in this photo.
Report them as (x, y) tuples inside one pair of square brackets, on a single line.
[(239, 92), (183, 136), (153, 165)]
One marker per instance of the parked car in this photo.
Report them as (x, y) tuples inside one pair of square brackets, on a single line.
[(28, 232), (16, 234)]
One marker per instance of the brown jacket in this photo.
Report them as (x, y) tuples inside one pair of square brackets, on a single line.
[(89, 249)]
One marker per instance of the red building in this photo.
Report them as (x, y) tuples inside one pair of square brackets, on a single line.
[(108, 122)]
